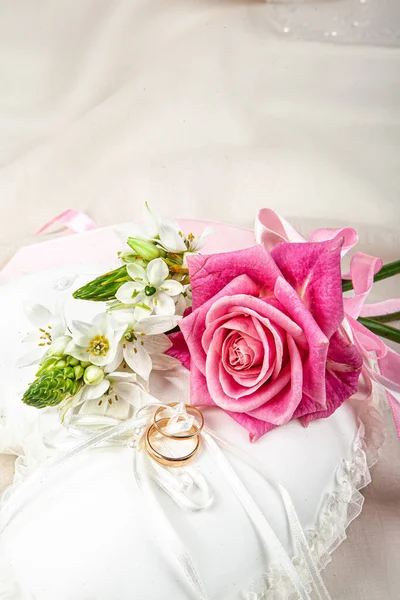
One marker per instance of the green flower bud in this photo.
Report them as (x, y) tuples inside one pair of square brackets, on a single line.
[(85, 364), (141, 263), (72, 361), (60, 363), (146, 250), (93, 375), (46, 364), (128, 257), (69, 373), (78, 371)]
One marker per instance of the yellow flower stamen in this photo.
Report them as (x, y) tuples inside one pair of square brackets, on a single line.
[(99, 346)]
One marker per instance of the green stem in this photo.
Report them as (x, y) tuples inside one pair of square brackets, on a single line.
[(385, 331), (387, 318), (388, 270)]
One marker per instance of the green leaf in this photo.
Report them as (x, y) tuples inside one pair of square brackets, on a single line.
[(387, 318), (385, 331)]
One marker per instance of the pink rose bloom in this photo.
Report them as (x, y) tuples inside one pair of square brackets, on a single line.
[(264, 338)]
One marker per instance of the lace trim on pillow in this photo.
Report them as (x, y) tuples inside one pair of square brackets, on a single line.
[(340, 508)]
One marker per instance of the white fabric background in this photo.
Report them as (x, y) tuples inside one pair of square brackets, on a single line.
[(197, 106)]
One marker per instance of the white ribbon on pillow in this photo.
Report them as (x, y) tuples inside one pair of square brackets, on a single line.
[(181, 484)]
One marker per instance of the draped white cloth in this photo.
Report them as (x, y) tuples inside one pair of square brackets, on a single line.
[(199, 107)]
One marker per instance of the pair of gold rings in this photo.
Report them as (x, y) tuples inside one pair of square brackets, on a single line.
[(158, 426)]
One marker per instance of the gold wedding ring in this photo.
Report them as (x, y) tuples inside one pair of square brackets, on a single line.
[(165, 460), (190, 410)]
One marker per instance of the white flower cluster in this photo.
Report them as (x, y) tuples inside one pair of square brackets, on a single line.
[(109, 360)]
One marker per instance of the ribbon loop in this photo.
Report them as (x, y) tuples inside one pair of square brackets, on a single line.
[(75, 220)]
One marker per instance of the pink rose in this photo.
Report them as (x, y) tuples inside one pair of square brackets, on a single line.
[(265, 337)]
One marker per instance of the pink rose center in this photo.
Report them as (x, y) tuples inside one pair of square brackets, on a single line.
[(241, 355), (248, 350)]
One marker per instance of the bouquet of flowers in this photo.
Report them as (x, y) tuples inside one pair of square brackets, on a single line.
[(270, 333)]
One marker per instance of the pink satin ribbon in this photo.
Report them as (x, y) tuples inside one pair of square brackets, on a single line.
[(386, 307), (75, 220), (363, 267), (271, 229)]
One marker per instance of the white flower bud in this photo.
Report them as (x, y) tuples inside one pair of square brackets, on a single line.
[(59, 345), (93, 375)]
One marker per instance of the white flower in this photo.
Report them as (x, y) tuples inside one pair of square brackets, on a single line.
[(196, 243), (150, 288), (143, 345), (171, 238), (58, 346), (48, 326), (165, 232), (96, 342), (181, 305), (114, 396)]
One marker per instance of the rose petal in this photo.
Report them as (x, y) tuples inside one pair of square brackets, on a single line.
[(210, 274), (240, 399), (343, 370), (281, 408), (314, 365), (193, 325), (254, 426), (179, 349), (199, 394), (313, 270), (251, 379), (264, 310)]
